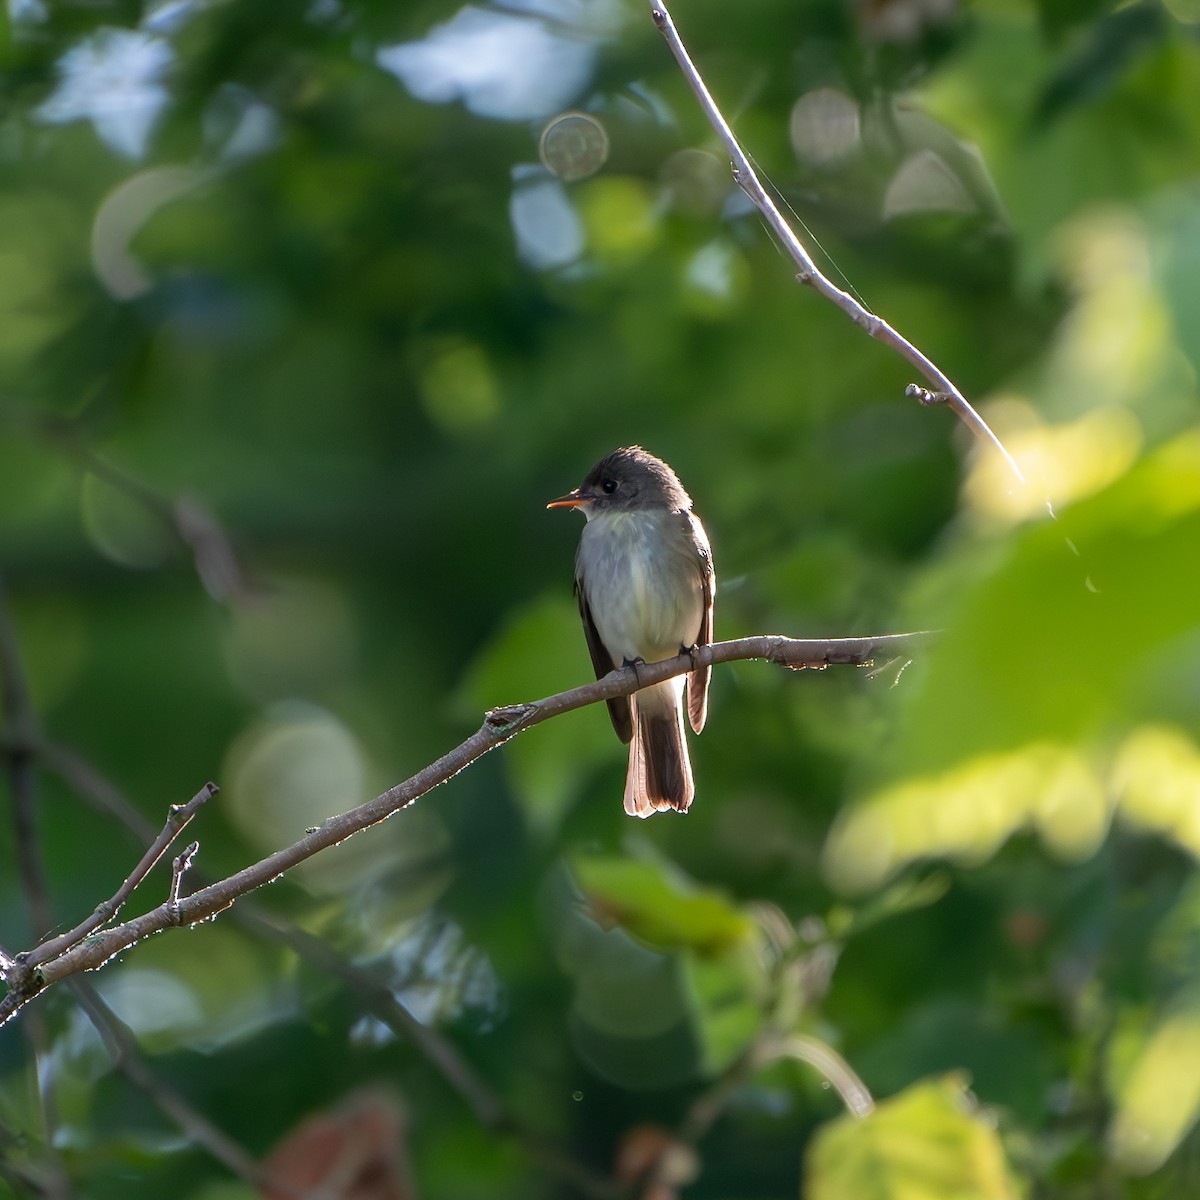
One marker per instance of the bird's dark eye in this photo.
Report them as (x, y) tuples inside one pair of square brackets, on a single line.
[(609, 486)]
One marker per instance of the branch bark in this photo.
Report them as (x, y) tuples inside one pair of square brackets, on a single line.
[(944, 390), (32, 971), (486, 1105), (177, 818)]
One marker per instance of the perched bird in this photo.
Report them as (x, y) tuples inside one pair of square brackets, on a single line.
[(645, 582)]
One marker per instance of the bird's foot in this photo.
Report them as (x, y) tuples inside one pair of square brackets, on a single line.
[(634, 663)]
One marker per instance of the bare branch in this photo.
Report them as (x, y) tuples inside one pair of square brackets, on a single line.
[(179, 868), (177, 818), (747, 179), (484, 1103), (17, 970), (25, 981)]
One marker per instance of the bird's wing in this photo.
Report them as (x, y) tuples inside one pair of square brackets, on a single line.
[(602, 661), (697, 682)]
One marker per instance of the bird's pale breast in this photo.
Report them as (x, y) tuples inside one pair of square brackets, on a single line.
[(641, 575)]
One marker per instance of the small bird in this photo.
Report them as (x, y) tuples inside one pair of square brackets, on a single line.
[(644, 579)]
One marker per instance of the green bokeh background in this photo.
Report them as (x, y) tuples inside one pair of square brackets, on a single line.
[(282, 286)]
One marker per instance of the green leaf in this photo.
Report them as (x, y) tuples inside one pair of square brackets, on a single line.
[(1054, 642), (927, 1143), (1045, 660), (659, 905), (727, 993)]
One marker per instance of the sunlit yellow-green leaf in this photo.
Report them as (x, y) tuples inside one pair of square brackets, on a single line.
[(1156, 778), (1054, 640), (967, 812), (1159, 1099), (928, 1143)]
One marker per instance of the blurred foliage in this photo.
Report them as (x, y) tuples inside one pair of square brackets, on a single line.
[(306, 310), (924, 1142)]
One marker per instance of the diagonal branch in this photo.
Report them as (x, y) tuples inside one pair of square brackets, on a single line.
[(944, 391), (485, 1104), (25, 981), (177, 818)]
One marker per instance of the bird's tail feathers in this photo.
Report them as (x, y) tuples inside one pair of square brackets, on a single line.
[(660, 772)]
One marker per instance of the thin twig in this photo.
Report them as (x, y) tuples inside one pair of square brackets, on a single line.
[(179, 868), (23, 741), (499, 725), (99, 792), (746, 178), (789, 980), (483, 1102), (439, 1050), (708, 1106), (832, 1066), (177, 818), (706, 1109)]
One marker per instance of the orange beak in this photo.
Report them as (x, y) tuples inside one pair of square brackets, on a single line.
[(572, 499)]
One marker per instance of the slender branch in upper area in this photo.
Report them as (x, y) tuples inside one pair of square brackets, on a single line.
[(944, 389), (25, 981)]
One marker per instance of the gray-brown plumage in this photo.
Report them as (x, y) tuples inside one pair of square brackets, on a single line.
[(645, 582)]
